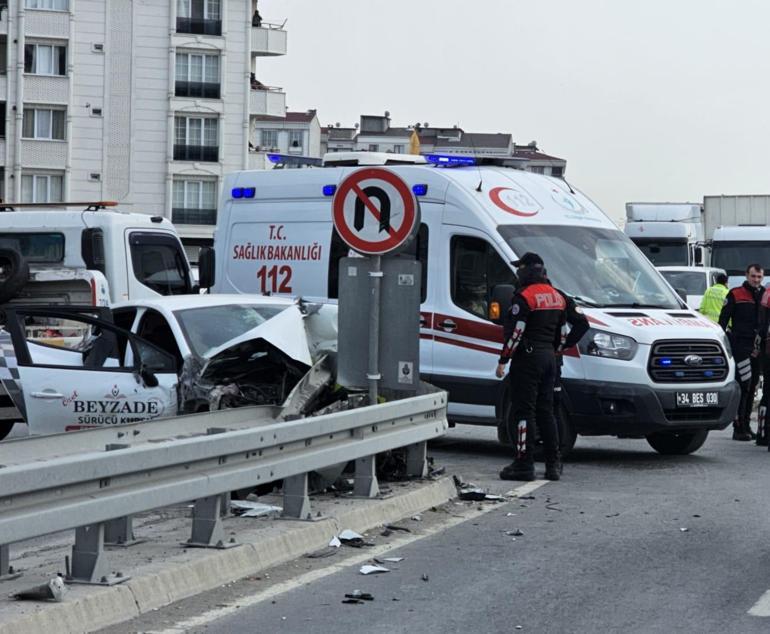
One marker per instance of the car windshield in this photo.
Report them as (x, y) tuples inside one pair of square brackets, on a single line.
[(209, 327), (664, 252), (734, 257), (693, 282), (599, 267)]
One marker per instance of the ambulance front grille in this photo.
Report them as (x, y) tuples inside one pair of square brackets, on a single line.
[(682, 361)]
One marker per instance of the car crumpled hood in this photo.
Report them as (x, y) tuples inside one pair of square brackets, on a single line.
[(649, 325), (285, 331)]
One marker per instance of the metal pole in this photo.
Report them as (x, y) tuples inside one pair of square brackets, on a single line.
[(374, 375)]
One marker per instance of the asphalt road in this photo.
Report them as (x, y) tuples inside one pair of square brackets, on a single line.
[(627, 541)]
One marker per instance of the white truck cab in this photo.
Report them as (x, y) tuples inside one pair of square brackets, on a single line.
[(734, 248), (649, 367), (85, 254)]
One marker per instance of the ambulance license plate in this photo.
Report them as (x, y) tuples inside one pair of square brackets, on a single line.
[(697, 399)]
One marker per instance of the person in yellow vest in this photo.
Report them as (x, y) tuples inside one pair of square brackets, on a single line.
[(714, 298)]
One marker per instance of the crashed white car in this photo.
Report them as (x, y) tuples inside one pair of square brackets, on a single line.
[(69, 368)]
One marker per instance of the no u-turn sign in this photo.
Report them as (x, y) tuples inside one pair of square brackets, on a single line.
[(375, 211)]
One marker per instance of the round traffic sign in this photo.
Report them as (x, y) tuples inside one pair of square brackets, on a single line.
[(374, 211)]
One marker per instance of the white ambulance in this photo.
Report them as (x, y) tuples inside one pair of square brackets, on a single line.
[(649, 367)]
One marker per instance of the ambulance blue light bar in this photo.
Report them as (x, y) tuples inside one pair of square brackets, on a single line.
[(329, 190), (450, 160), (419, 190), (243, 192), (274, 158)]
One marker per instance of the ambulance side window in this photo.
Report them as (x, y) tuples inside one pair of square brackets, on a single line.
[(475, 269), (417, 249)]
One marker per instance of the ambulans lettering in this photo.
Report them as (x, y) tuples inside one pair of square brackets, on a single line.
[(641, 322), (291, 252)]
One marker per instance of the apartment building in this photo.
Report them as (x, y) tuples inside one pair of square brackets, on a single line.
[(146, 103)]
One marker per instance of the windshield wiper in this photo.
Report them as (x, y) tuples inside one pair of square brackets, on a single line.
[(638, 305), (586, 302)]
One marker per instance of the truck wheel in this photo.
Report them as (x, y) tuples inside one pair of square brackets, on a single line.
[(14, 273), (5, 429), (567, 434), (677, 444)]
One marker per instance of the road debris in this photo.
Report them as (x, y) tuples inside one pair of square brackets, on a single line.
[(368, 569), (246, 508), (425, 577), (517, 533), (54, 590), (417, 518), (469, 492), (335, 542), (684, 530), (353, 539), (359, 596), (393, 527)]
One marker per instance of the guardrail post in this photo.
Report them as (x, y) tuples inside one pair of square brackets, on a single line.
[(207, 530), (6, 569), (417, 460), (296, 502), (89, 563), (120, 532), (365, 480)]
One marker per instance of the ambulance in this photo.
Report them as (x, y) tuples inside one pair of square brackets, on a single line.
[(649, 367)]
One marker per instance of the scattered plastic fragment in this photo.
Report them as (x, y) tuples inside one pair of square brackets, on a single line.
[(352, 601), (348, 534), (417, 518), (393, 560), (361, 596), (393, 527), (53, 590), (335, 542), (612, 515), (684, 530), (510, 514), (526, 497), (247, 508), (368, 569), (517, 533), (425, 577)]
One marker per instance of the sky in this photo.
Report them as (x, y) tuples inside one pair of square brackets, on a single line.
[(660, 100)]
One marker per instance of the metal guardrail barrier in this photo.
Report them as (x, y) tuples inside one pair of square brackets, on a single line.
[(95, 480)]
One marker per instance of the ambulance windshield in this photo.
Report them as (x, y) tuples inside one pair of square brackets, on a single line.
[(599, 267)]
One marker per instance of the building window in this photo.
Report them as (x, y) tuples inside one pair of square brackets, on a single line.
[(43, 123), (197, 75), (2, 119), (196, 139), (537, 169), (557, 171), (199, 16), (295, 140), (269, 139), (398, 148), (194, 202), (45, 59), (2, 184), (42, 188), (51, 5), (373, 147)]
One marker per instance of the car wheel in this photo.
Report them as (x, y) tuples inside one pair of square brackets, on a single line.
[(5, 429), (14, 273), (677, 443)]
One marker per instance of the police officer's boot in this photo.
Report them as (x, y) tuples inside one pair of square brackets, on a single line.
[(739, 431), (553, 470), (761, 426), (520, 469)]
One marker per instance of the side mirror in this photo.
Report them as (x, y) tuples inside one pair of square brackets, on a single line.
[(206, 267), (499, 301), (682, 294), (698, 255), (148, 377)]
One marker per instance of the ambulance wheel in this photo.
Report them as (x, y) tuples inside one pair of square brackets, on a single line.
[(567, 434), (677, 444), (5, 429), (14, 273)]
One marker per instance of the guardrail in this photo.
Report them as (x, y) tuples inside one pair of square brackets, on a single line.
[(95, 480)]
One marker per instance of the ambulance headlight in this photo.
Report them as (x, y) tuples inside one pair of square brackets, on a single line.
[(598, 343)]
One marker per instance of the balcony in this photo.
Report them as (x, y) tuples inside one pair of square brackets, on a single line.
[(46, 23), (267, 100), (42, 153), (268, 40), (46, 88), (199, 26), (208, 153), (198, 89), (185, 216)]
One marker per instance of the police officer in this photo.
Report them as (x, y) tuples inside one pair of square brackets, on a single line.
[(763, 345), (741, 313), (532, 333)]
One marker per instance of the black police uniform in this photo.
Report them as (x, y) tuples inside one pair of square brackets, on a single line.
[(741, 311), (762, 342), (532, 333)]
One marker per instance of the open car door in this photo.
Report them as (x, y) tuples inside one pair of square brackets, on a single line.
[(76, 370)]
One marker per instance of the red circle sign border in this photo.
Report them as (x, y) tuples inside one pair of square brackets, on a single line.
[(391, 243), (494, 196)]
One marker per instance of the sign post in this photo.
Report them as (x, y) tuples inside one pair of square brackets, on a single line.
[(376, 214)]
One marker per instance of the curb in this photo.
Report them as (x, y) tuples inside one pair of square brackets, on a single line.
[(116, 604)]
